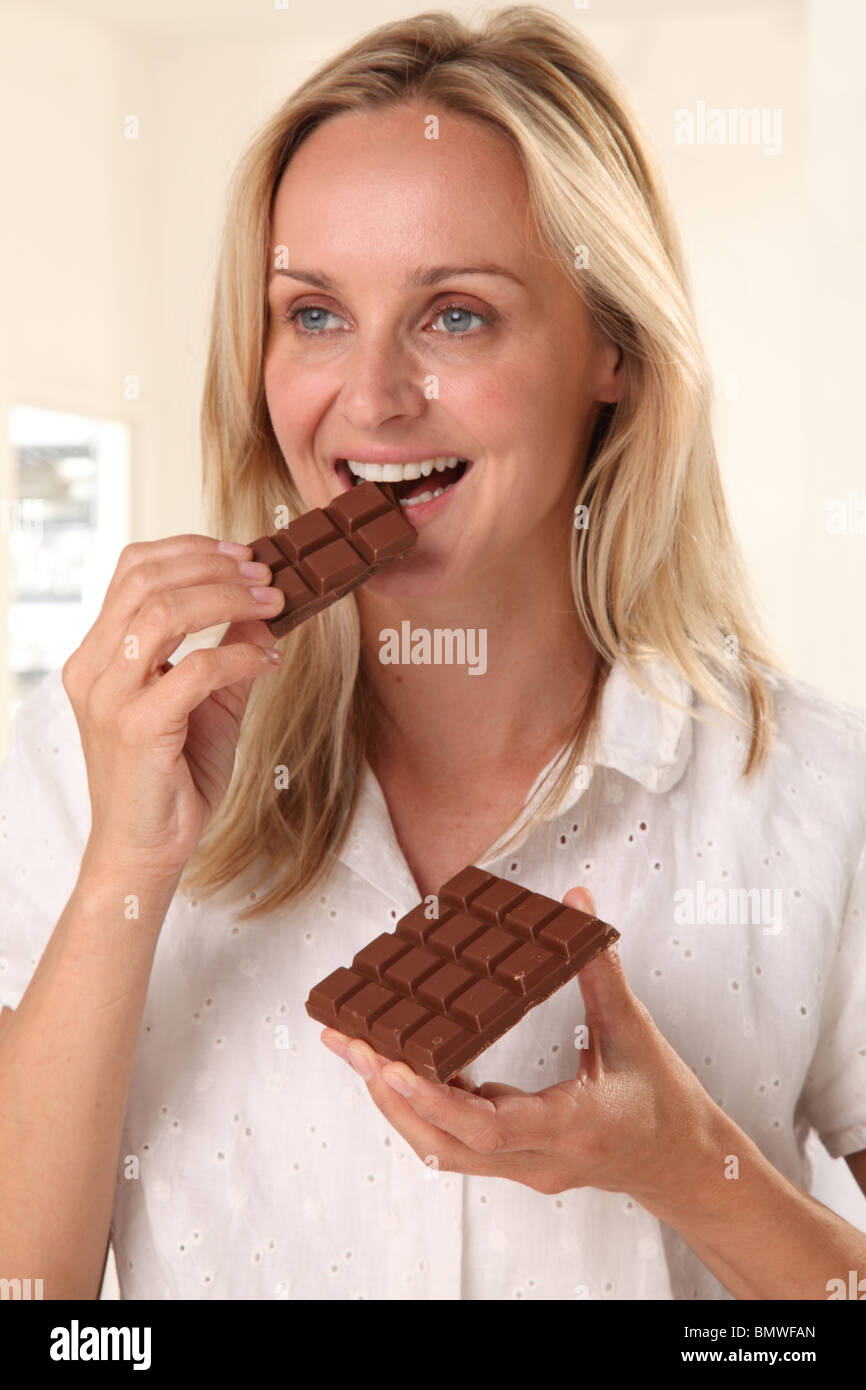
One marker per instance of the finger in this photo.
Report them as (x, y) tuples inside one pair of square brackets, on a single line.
[(581, 898), (152, 634), (491, 1089), (141, 572), (462, 1081), (607, 996), (439, 1149), (430, 1144), (188, 683), (338, 1043), (167, 548), (491, 1125), (254, 633)]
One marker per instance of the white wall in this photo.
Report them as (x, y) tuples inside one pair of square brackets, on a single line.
[(739, 212), (831, 586)]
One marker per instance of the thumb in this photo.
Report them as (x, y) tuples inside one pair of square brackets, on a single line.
[(607, 997)]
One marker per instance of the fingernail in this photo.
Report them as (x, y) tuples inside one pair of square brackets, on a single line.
[(397, 1081), (254, 569), (360, 1063), (269, 595), (234, 548), (271, 654)]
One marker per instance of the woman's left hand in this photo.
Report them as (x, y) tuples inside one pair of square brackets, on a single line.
[(633, 1119)]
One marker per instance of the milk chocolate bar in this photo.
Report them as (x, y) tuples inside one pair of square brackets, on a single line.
[(439, 989), (329, 551)]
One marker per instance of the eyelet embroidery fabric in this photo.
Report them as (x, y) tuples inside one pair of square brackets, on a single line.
[(264, 1169)]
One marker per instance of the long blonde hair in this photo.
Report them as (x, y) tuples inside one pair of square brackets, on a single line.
[(656, 572)]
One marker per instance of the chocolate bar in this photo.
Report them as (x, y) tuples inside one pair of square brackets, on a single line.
[(327, 552), (439, 989)]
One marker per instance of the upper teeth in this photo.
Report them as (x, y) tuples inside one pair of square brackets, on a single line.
[(400, 472)]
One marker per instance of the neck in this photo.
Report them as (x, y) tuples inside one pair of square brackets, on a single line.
[(445, 726)]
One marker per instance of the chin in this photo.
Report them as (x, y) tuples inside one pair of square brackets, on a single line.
[(415, 577)]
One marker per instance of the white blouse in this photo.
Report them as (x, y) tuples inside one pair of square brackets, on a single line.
[(265, 1169)]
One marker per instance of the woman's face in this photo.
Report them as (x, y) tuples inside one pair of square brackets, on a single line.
[(418, 317)]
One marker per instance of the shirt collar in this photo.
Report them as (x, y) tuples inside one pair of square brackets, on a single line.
[(641, 736), (637, 734)]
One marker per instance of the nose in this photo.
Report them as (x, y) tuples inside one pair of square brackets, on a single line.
[(383, 381)]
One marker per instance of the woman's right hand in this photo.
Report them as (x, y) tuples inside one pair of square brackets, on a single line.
[(159, 740)]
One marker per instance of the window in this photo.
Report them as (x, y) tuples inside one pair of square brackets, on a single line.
[(66, 523)]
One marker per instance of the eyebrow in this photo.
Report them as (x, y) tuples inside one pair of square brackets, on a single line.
[(417, 279)]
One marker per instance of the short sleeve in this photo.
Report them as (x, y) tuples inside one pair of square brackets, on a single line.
[(834, 1095), (44, 824)]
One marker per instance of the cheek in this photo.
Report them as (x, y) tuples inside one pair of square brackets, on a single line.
[(273, 377), (509, 387), (495, 402), (291, 401)]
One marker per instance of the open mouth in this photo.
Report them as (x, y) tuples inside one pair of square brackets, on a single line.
[(413, 483)]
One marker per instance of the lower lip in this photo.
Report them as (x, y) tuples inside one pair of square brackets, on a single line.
[(422, 512)]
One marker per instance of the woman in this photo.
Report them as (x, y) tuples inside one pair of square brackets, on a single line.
[(449, 245)]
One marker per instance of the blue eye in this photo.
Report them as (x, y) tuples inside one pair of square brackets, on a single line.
[(455, 316), (451, 313), (311, 309)]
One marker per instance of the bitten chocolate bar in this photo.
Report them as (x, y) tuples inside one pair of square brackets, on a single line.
[(329, 551), (436, 992)]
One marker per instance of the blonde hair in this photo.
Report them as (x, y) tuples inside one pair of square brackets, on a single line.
[(656, 572)]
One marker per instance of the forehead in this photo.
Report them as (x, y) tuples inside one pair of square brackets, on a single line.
[(372, 180)]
